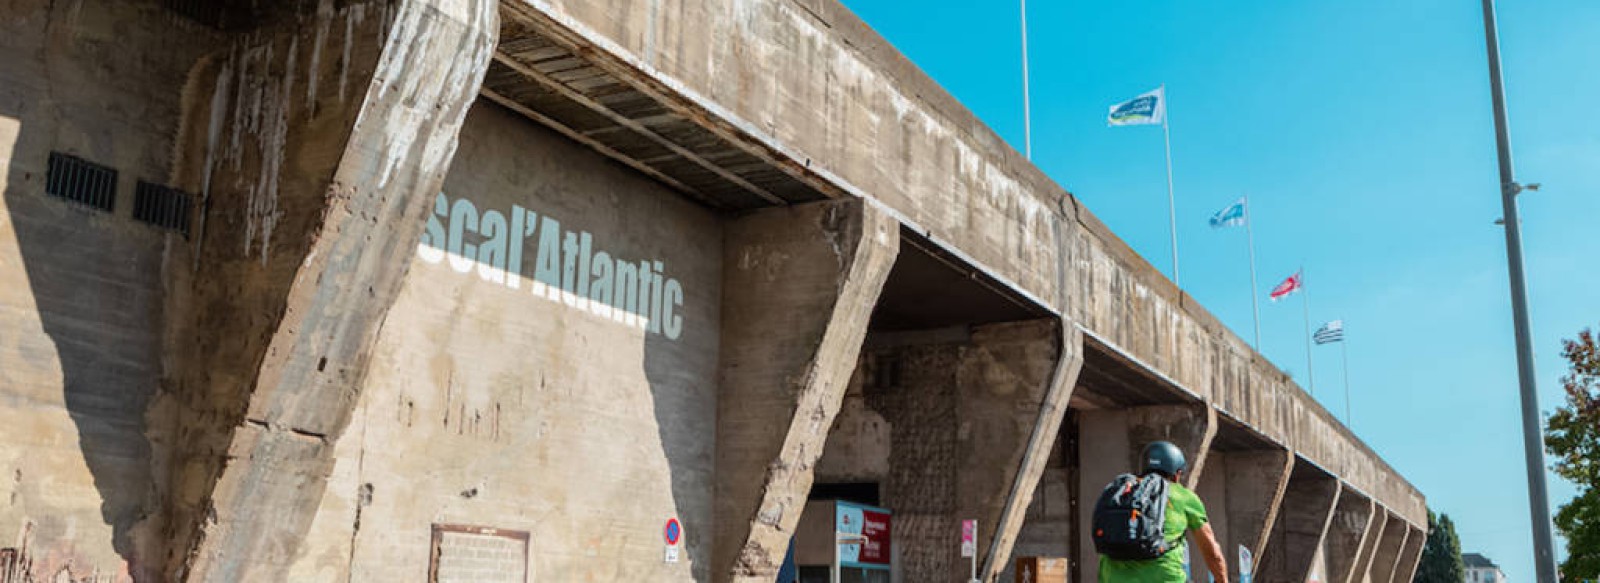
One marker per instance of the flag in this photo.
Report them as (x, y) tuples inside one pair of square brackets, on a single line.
[(1232, 216), (1149, 108), (1289, 286), (1330, 333)]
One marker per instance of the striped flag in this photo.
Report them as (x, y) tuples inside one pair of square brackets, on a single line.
[(1233, 216), (1289, 286), (1330, 332)]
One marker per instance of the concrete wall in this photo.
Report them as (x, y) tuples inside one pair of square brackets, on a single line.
[(498, 387), (81, 290)]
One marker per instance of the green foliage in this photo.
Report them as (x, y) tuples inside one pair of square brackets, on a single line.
[(1572, 436), (1579, 521), (1441, 555)]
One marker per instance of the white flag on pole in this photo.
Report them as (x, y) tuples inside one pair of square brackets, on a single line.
[(1146, 109)]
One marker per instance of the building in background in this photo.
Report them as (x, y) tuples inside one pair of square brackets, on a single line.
[(1482, 570)]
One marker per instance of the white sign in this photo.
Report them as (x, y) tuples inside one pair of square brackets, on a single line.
[(1247, 564), (672, 554), (969, 538)]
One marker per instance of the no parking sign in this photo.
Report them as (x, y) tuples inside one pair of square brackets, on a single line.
[(672, 533)]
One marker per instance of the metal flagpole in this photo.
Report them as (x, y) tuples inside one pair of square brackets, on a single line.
[(1344, 353), (1305, 299), (1533, 444), (1172, 206), (1250, 242), (1027, 107)]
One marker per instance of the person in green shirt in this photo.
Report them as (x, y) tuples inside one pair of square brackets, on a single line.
[(1186, 515)]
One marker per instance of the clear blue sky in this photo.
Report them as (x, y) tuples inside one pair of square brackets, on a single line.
[(1363, 132)]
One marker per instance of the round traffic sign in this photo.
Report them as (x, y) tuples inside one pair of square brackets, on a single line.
[(673, 531)]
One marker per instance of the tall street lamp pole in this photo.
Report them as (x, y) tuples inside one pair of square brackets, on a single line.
[(1533, 443)]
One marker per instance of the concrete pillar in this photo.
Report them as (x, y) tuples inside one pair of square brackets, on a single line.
[(314, 166), (1243, 490), (1410, 556), (1369, 545), (1347, 535), (799, 287), (1002, 497), (1307, 508), (1110, 443), (1387, 553)]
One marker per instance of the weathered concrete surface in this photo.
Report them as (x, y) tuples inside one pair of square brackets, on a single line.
[(1406, 565), (1025, 474), (1190, 427), (494, 394), (1390, 546), (851, 116), (1369, 546), (969, 418), (1347, 535), (799, 286), (1244, 491), (1308, 504), (314, 175), (81, 291)]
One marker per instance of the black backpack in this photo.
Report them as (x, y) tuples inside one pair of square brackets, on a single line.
[(1131, 517)]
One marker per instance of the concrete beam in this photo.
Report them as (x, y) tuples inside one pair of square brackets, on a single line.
[(1024, 476), (314, 175), (1307, 509), (1348, 534), (1410, 555), (799, 287), (1387, 555), (1369, 546)]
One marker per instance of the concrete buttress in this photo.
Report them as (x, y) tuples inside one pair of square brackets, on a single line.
[(1023, 475), (1410, 555), (1249, 488), (316, 144), (1347, 535), (1369, 546), (1303, 519), (1387, 555), (800, 285), (1190, 427)]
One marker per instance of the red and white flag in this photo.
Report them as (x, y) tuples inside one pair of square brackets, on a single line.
[(1289, 286)]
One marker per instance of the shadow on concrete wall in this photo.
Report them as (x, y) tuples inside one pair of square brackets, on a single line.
[(688, 441), (95, 278)]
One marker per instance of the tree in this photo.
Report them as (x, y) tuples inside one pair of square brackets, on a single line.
[(1572, 436), (1441, 555)]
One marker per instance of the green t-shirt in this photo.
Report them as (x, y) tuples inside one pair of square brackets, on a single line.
[(1185, 512)]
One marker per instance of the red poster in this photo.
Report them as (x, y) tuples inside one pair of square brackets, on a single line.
[(875, 527)]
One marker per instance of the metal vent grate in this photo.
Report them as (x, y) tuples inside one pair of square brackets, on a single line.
[(162, 206), (82, 181), (207, 12)]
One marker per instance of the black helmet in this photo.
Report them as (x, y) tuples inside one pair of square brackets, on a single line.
[(1163, 458)]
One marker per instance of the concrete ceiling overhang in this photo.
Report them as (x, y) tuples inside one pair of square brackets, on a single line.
[(560, 81)]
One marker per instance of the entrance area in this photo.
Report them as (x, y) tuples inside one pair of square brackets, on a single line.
[(942, 403)]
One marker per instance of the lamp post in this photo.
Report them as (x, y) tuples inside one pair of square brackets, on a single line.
[(1533, 442)]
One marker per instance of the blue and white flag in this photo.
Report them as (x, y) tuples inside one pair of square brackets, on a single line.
[(1233, 216), (1149, 108), (1329, 333)]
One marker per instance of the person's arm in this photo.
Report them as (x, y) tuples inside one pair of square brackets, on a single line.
[(1212, 552)]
